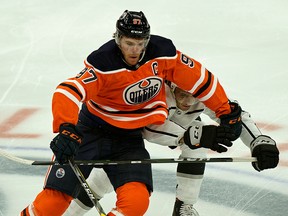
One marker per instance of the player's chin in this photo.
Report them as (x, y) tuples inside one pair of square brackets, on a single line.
[(184, 108), (132, 60)]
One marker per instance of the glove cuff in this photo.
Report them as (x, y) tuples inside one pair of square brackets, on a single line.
[(70, 132), (192, 136), (233, 119), (66, 125), (262, 140)]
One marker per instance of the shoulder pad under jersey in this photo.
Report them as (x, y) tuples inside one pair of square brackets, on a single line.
[(107, 57), (160, 47)]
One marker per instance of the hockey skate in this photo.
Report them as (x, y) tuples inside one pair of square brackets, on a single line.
[(181, 209)]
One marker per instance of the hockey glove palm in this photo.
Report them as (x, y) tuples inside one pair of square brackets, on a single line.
[(66, 144), (265, 150), (216, 138), (233, 120)]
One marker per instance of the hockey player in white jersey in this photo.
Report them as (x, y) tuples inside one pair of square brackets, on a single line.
[(185, 129)]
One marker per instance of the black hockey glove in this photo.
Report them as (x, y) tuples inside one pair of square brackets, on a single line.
[(66, 144), (265, 150), (233, 120), (216, 138)]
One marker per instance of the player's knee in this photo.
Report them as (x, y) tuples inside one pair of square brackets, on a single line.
[(132, 199), (51, 202)]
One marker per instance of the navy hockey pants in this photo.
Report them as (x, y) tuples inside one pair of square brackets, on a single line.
[(103, 141)]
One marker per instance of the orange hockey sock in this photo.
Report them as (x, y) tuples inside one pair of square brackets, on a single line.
[(48, 202), (132, 200)]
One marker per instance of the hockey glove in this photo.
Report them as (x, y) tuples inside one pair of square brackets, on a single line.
[(66, 144), (233, 120), (265, 150), (216, 138)]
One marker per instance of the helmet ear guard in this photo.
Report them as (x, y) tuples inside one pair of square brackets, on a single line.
[(132, 24)]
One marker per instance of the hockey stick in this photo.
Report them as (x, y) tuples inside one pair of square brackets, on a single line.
[(15, 158), (86, 187), (142, 161), (75, 169), (150, 161)]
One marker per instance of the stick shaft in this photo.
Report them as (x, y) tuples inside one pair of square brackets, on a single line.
[(87, 188), (119, 162), (150, 161)]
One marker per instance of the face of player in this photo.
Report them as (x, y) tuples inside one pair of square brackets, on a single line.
[(132, 49), (183, 99)]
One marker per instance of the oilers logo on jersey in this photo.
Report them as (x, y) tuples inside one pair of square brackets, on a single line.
[(142, 91)]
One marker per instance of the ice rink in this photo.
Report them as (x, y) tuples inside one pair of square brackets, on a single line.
[(243, 42)]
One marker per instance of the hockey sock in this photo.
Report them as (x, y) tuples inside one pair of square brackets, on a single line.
[(189, 181), (76, 208), (51, 202), (132, 199)]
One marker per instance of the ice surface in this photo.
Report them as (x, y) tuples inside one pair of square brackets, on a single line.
[(244, 43)]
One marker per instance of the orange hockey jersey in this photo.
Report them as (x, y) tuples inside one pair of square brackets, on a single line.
[(133, 97)]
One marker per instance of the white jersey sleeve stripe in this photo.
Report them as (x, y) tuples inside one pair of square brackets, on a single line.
[(80, 87), (126, 118), (211, 92), (203, 69), (68, 95)]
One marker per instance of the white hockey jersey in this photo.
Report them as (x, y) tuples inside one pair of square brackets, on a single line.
[(169, 133)]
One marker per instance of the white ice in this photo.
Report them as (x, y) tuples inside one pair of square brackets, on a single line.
[(243, 42)]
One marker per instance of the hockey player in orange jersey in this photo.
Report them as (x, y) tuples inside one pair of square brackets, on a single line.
[(184, 120), (122, 90)]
